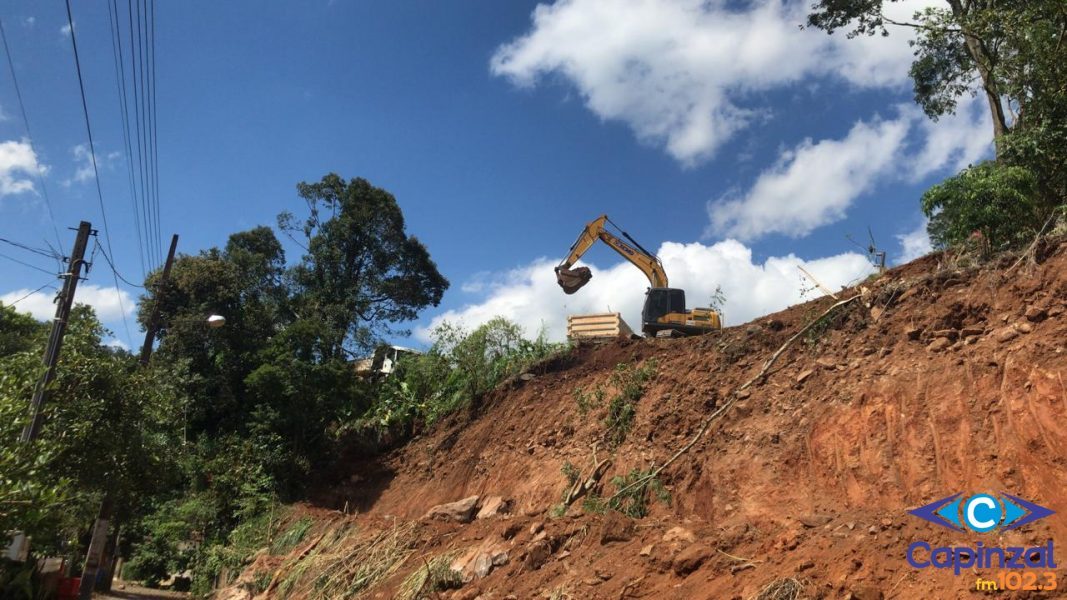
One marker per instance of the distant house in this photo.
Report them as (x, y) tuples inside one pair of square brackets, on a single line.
[(383, 362)]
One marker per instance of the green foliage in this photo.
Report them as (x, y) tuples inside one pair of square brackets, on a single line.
[(588, 400), (996, 201), (362, 272), (594, 503), (292, 536), (198, 448), (634, 490), (460, 368), (1013, 55), (629, 384)]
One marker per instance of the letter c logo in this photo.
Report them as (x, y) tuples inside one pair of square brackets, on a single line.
[(982, 513)]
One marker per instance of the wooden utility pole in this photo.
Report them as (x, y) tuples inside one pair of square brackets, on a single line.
[(95, 558), (59, 328), (153, 321)]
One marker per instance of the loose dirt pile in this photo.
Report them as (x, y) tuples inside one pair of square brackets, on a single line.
[(935, 381)]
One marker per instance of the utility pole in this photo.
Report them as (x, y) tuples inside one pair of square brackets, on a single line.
[(153, 321), (94, 558), (59, 329)]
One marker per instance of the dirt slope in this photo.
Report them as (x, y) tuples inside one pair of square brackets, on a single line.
[(937, 381)]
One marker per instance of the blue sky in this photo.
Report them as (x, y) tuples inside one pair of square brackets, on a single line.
[(716, 132)]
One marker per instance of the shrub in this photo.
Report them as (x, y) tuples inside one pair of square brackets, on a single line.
[(460, 368), (990, 204), (629, 384)]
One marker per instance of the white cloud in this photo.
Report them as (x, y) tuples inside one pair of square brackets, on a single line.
[(954, 141), (681, 73), (117, 343), (84, 163), (530, 296), (110, 303), (65, 30), (812, 184), (914, 244), (18, 163)]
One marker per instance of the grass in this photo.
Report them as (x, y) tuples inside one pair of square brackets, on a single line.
[(435, 575), (346, 562), (634, 501), (781, 589), (291, 537)]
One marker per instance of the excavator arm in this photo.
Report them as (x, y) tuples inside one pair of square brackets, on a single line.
[(571, 280)]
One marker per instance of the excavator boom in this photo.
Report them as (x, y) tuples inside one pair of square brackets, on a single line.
[(571, 280)]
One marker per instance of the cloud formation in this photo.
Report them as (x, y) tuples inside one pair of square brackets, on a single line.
[(530, 296), (811, 185), (914, 243), (110, 303), (815, 183), (681, 73), (83, 161), (18, 165)]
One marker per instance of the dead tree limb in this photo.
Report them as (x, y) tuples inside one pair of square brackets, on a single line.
[(582, 486)]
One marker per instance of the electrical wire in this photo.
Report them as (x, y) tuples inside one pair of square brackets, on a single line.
[(29, 135), (111, 264), (96, 171), (155, 126), (49, 284), (26, 264), (45, 253), (137, 66), (120, 81)]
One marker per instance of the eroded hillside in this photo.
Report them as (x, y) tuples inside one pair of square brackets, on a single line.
[(934, 380)]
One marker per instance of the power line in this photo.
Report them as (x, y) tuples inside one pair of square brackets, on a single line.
[(120, 81), (111, 264), (96, 171), (26, 264), (137, 65), (29, 135), (49, 284), (154, 126), (45, 253)]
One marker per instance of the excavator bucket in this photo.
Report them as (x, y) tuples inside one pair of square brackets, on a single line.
[(571, 280)]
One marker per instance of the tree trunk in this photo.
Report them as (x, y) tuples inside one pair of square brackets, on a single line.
[(989, 86), (983, 63)]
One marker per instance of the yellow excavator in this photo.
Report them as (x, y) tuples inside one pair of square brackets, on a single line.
[(664, 309)]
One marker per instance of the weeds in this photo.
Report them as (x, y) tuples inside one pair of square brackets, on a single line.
[(434, 576), (781, 589), (587, 401), (344, 563), (633, 502), (629, 384), (292, 536)]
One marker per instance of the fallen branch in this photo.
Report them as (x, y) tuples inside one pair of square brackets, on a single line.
[(582, 487), (731, 400)]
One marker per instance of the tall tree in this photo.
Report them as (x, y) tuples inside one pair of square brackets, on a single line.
[(965, 46), (362, 273)]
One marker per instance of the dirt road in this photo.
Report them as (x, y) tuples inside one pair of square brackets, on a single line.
[(129, 591)]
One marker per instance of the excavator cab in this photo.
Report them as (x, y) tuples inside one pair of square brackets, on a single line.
[(659, 302)]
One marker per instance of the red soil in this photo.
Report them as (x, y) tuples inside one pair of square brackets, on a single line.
[(808, 477)]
